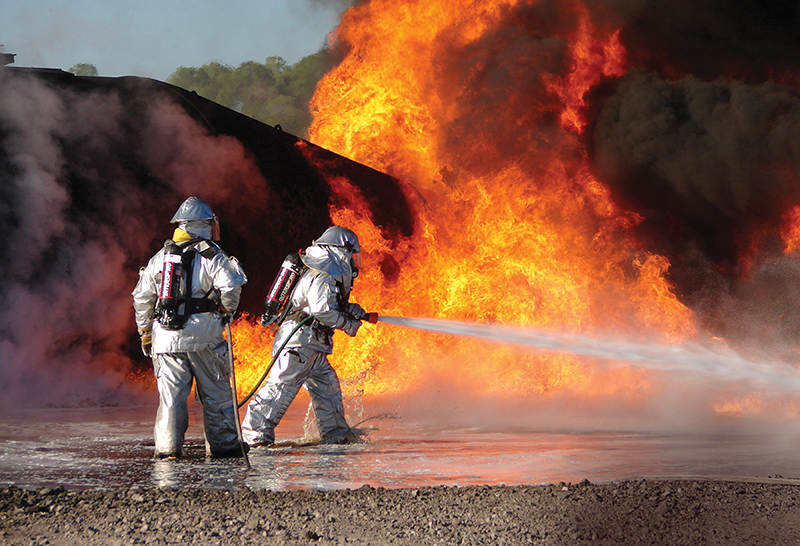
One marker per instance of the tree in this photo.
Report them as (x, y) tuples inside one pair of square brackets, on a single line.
[(84, 69), (273, 92)]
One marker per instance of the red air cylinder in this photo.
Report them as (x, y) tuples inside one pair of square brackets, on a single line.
[(169, 296), (288, 275)]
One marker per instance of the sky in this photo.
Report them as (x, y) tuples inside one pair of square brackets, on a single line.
[(152, 38)]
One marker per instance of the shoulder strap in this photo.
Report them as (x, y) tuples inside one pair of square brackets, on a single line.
[(188, 266), (342, 298), (207, 249)]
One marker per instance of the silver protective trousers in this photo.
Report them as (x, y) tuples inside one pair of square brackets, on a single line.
[(295, 368), (175, 373)]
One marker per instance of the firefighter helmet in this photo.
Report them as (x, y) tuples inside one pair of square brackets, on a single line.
[(193, 208), (341, 237)]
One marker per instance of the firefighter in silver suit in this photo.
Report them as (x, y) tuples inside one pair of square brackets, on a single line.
[(185, 339), (322, 293)]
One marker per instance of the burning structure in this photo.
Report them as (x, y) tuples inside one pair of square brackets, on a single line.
[(569, 165)]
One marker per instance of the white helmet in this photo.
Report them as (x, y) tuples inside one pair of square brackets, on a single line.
[(193, 208), (193, 215), (346, 239), (341, 237)]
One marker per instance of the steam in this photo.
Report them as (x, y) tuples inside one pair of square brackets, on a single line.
[(78, 222), (684, 383)]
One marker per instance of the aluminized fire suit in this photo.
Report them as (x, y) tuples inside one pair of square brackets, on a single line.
[(321, 292), (197, 351)]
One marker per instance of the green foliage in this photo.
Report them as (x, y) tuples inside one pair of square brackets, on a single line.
[(273, 92), (84, 69)]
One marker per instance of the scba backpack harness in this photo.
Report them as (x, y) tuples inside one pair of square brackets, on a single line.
[(278, 304), (282, 287), (175, 302)]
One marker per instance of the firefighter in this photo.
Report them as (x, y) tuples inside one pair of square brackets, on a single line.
[(185, 294), (322, 293)]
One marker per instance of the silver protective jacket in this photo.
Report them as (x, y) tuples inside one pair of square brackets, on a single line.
[(319, 293), (221, 274)]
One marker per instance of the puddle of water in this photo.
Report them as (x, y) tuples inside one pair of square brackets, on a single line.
[(104, 448)]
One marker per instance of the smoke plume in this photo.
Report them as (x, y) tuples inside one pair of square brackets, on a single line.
[(742, 39), (700, 137), (89, 182)]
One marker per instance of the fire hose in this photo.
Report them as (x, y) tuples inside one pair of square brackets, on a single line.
[(272, 362)]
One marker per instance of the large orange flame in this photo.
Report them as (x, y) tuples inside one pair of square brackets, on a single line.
[(521, 236)]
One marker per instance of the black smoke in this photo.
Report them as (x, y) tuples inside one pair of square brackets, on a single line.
[(701, 137), (718, 159), (738, 39)]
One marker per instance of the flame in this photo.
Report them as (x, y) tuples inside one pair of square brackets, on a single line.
[(757, 404), (251, 351), (593, 57), (510, 225), (791, 230), (535, 241)]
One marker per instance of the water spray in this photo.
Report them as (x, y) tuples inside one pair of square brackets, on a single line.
[(687, 357)]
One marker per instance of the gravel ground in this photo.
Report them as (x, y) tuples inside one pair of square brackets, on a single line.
[(640, 512)]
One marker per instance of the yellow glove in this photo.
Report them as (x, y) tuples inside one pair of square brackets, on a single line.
[(147, 342)]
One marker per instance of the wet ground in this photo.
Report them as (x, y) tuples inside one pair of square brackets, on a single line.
[(111, 448)]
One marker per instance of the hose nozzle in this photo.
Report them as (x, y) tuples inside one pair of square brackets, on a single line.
[(360, 314)]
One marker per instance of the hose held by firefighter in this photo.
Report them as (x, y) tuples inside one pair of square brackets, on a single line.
[(186, 294), (317, 305)]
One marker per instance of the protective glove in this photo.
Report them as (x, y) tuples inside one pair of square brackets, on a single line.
[(351, 327), (225, 315), (356, 311), (147, 342)]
